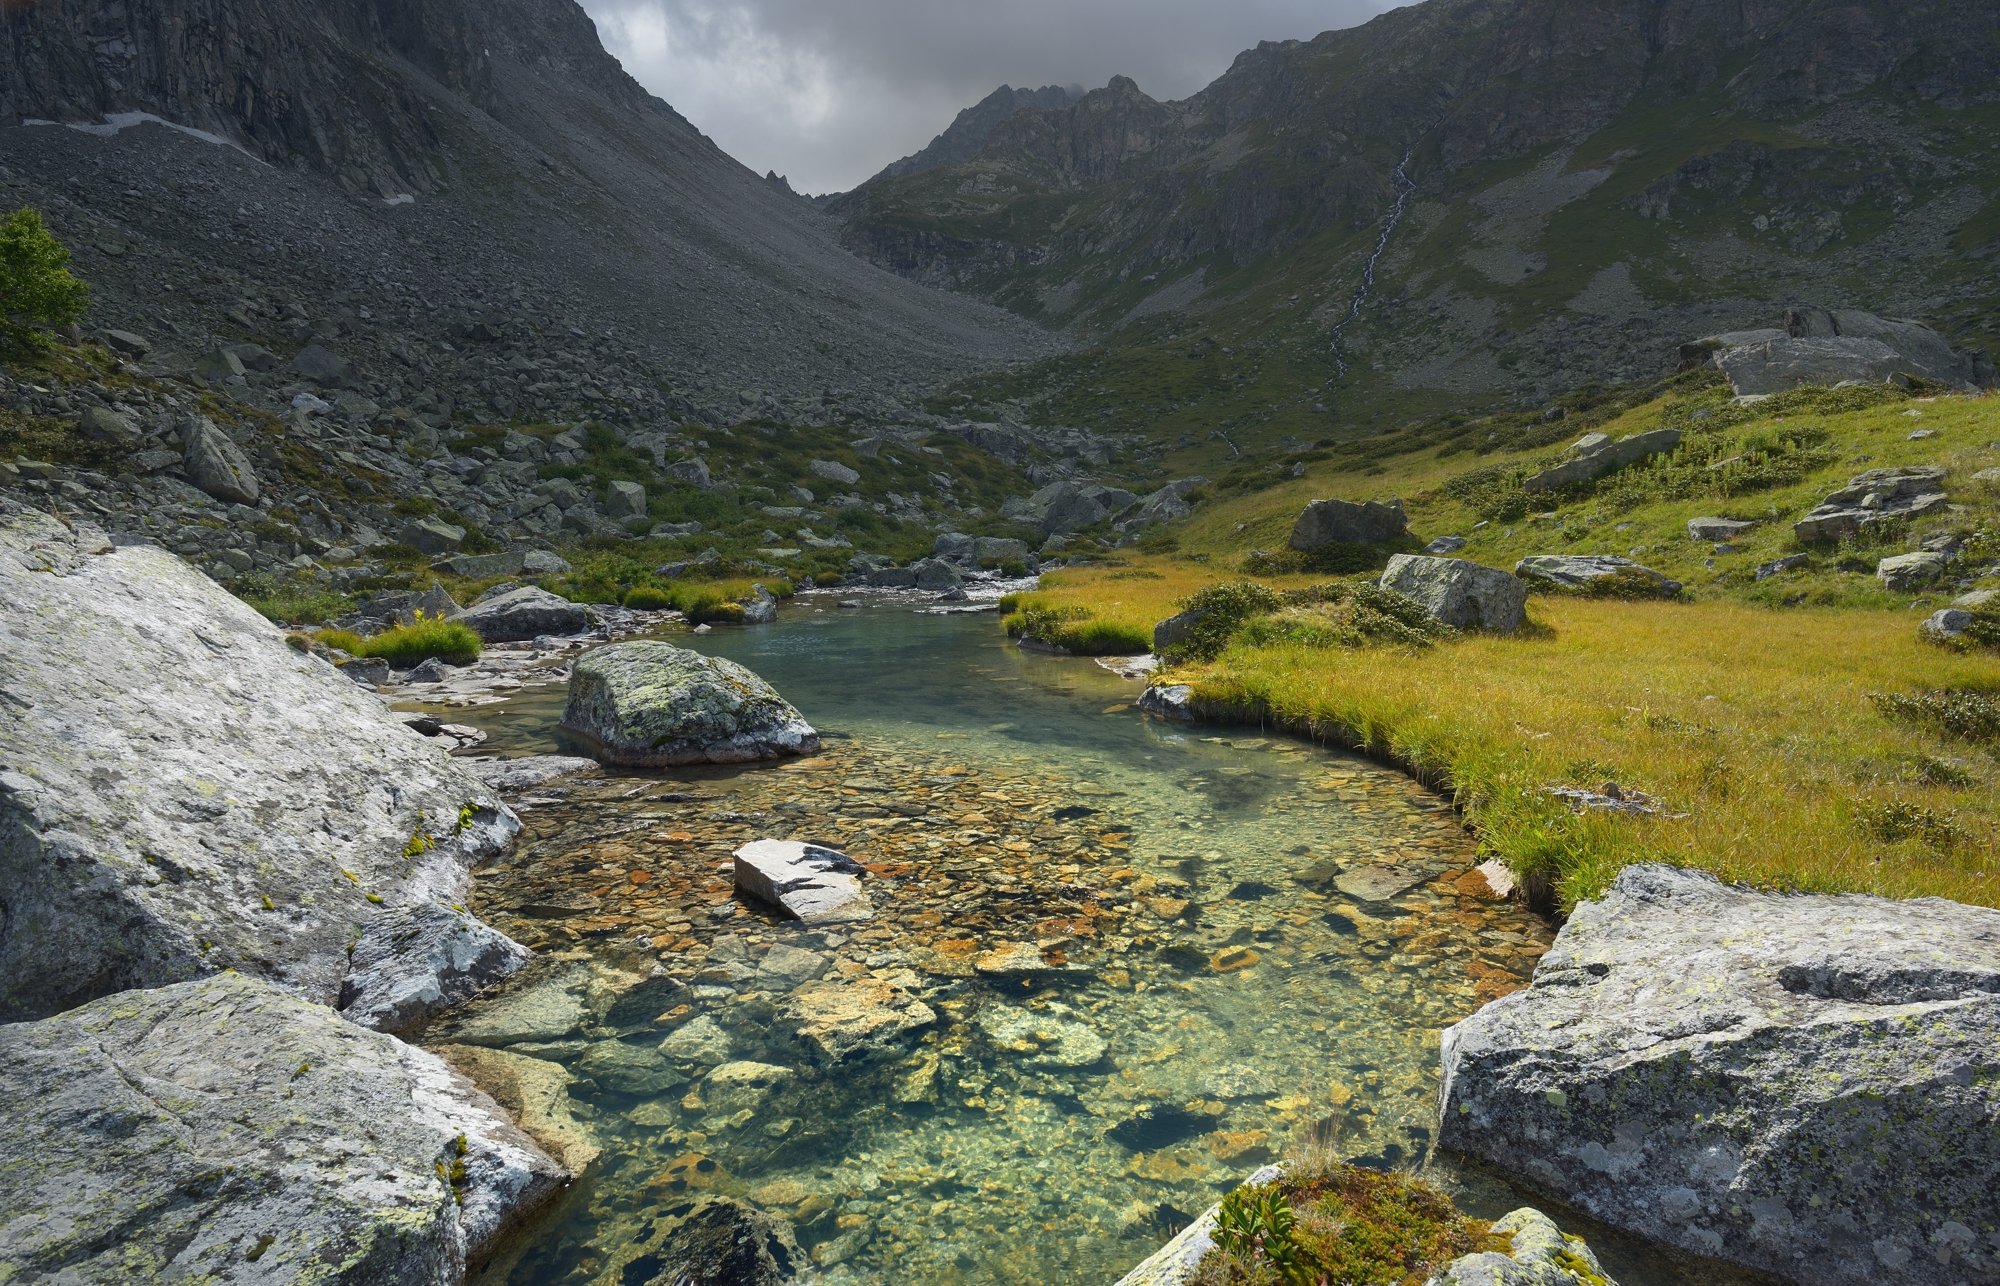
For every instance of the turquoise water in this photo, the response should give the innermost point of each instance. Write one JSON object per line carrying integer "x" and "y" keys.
{"x": 1174, "y": 987}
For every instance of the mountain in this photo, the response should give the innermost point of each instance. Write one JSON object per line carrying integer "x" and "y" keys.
{"x": 431, "y": 163}
{"x": 1510, "y": 197}
{"x": 971, "y": 128}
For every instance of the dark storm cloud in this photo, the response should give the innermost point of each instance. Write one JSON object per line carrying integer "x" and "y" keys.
{"x": 829, "y": 91}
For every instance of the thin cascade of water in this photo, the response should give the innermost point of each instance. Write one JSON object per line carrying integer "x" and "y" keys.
{"x": 1405, "y": 187}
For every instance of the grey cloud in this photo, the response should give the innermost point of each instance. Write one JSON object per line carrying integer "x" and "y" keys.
{"x": 828, "y": 93}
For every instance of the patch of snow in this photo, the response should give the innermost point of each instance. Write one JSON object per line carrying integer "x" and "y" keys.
{"x": 119, "y": 122}
{"x": 401, "y": 198}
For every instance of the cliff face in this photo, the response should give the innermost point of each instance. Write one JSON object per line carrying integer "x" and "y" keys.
{"x": 1697, "y": 161}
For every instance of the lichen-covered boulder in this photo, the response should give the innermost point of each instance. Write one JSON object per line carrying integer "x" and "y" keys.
{"x": 223, "y": 1131}
{"x": 1807, "y": 1085}
{"x": 1464, "y": 595}
{"x": 649, "y": 705}
{"x": 1542, "y": 1255}
{"x": 182, "y": 793}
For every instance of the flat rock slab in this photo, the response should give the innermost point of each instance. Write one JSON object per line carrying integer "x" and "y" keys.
{"x": 653, "y": 705}
{"x": 528, "y": 772}
{"x": 526, "y": 613}
{"x": 1806, "y": 1085}
{"x": 183, "y": 793}
{"x": 222, "y": 1130}
{"x": 1380, "y": 882}
{"x": 806, "y": 881}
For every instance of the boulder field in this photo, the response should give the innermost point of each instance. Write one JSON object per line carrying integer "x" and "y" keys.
{"x": 1806, "y": 1085}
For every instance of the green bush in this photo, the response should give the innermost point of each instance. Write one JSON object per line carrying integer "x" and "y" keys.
{"x": 1221, "y": 610}
{"x": 288, "y": 602}
{"x": 422, "y": 639}
{"x": 648, "y": 598}
{"x": 1961, "y": 713}
{"x": 36, "y": 288}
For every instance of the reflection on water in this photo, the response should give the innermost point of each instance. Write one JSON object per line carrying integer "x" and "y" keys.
{"x": 1114, "y": 966}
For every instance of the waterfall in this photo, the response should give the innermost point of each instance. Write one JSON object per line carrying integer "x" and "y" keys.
{"x": 1405, "y": 187}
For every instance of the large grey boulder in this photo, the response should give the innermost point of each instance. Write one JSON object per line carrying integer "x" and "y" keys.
{"x": 1804, "y": 1084}
{"x": 215, "y": 464}
{"x": 648, "y": 704}
{"x": 1168, "y": 504}
{"x": 222, "y": 1131}
{"x": 935, "y": 574}
{"x": 624, "y": 500}
{"x": 808, "y": 882}
{"x": 526, "y": 613}
{"x": 181, "y": 793}
{"x": 1821, "y": 347}
{"x": 432, "y": 535}
{"x": 1064, "y": 507}
{"x": 1347, "y": 522}
{"x": 833, "y": 471}
{"x": 1597, "y": 455}
{"x": 1875, "y": 498}
{"x": 1585, "y": 572}
{"x": 1464, "y": 595}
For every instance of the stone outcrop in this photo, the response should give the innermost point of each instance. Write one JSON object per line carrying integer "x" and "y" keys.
{"x": 1347, "y": 522}
{"x": 1064, "y": 507}
{"x": 1808, "y": 1085}
{"x": 1542, "y": 1255}
{"x": 808, "y": 882}
{"x": 648, "y": 704}
{"x": 1818, "y": 347}
{"x": 221, "y": 1130}
{"x": 1717, "y": 528}
{"x": 1464, "y": 595}
{"x": 181, "y": 793}
{"x": 1902, "y": 573}
{"x": 1588, "y": 572}
{"x": 525, "y": 613}
{"x": 1597, "y": 455}
{"x": 1874, "y": 498}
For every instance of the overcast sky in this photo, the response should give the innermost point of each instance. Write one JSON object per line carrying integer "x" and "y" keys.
{"x": 827, "y": 92}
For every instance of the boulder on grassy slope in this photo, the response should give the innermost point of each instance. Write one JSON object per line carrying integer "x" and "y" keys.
{"x": 1348, "y": 522}
{"x": 182, "y": 793}
{"x": 649, "y": 705}
{"x": 1462, "y": 594}
{"x": 1808, "y": 1085}
{"x": 220, "y": 1130}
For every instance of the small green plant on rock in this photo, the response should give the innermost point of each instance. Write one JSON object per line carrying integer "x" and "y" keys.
{"x": 1254, "y": 1224}
{"x": 36, "y": 288}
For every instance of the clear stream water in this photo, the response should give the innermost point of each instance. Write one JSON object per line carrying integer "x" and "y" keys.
{"x": 1199, "y": 991}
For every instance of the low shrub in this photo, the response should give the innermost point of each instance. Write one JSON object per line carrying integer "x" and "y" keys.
{"x": 1219, "y": 611}
{"x": 1960, "y": 713}
{"x": 288, "y": 602}
{"x": 648, "y": 598}
{"x": 1892, "y": 821}
{"x": 422, "y": 639}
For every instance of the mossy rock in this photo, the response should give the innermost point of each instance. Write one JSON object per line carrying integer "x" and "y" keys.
{"x": 652, "y": 705}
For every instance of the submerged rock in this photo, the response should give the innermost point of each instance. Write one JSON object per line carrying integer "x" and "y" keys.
{"x": 244, "y": 807}
{"x": 1464, "y": 595}
{"x": 806, "y": 881}
{"x": 1049, "y": 1037}
{"x": 861, "y": 1019}
{"x": 221, "y": 1130}
{"x": 652, "y": 705}
{"x": 708, "y": 1240}
{"x": 1804, "y": 1084}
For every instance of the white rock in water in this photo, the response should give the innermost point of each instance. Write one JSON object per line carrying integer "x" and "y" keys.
{"x": 805, "y": 881}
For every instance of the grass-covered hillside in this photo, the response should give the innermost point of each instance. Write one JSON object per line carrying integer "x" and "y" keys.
{"x": 1792, "y": 731}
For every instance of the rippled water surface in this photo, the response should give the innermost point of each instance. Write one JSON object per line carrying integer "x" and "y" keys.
{"x": 1115, "y": 964}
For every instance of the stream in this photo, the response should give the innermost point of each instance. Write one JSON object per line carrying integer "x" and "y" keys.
{"x": 1115, "y": 965}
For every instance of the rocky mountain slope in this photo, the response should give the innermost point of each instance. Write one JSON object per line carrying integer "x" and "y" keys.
{"x": 1563, "y": 191}
{"x": 410, "y": 178}
{"x": 973, "y": 128}
{"x": 360, "y": 265}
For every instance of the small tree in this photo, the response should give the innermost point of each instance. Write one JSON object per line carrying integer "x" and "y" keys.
{"x": 36, "y": 288}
